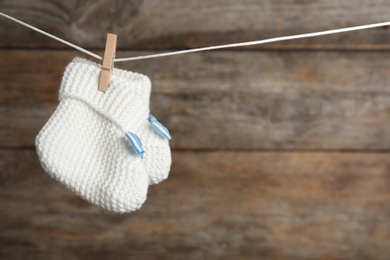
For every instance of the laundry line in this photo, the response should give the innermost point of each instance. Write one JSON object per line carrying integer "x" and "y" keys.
{"x": 201, "y": 49}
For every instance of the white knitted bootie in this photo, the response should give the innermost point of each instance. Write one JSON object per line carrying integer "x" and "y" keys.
{"x": 157, "y": 159}
{"x": 83, "y": 144}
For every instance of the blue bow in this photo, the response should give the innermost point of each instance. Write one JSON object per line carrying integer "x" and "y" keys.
{"x": 159, "y": 128}
{"x": 136, "y": 144}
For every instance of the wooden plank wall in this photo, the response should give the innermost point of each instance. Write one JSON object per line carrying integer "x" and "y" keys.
{"x": 280, "y": 151}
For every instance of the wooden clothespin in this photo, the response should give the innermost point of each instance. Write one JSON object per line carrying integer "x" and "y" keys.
{"x": 108, "y": 62}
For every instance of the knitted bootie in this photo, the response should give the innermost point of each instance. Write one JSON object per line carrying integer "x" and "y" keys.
{"x": 157, "y": 159}
{"x": 83, "y": 144}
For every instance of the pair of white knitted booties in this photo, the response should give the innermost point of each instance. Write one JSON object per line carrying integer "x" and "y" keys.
{"x": 104, "y": 145}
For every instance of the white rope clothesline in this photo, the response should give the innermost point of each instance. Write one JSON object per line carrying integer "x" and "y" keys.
{"x": 217, "y": 47}
{"x": 51, "y": 36}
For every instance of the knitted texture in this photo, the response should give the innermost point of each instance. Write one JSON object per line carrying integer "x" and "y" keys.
{"x": 157, "y": 159}
{"x": 83, "y": 143}
{"x": 158, "y": 154}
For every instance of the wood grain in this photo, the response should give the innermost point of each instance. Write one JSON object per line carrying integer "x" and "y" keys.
{"x": 280, "y": 151}
{"x": 214, "y": 205}
{"x": 178, "y": 24}
{"x": 224, "y": 100}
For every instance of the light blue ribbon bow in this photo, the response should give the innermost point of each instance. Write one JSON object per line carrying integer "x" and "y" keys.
{"x": 159, "y": 128}
{"x": 136, "y": 144}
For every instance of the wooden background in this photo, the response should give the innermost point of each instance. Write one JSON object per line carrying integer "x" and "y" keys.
{"x": 280, "y": 151}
